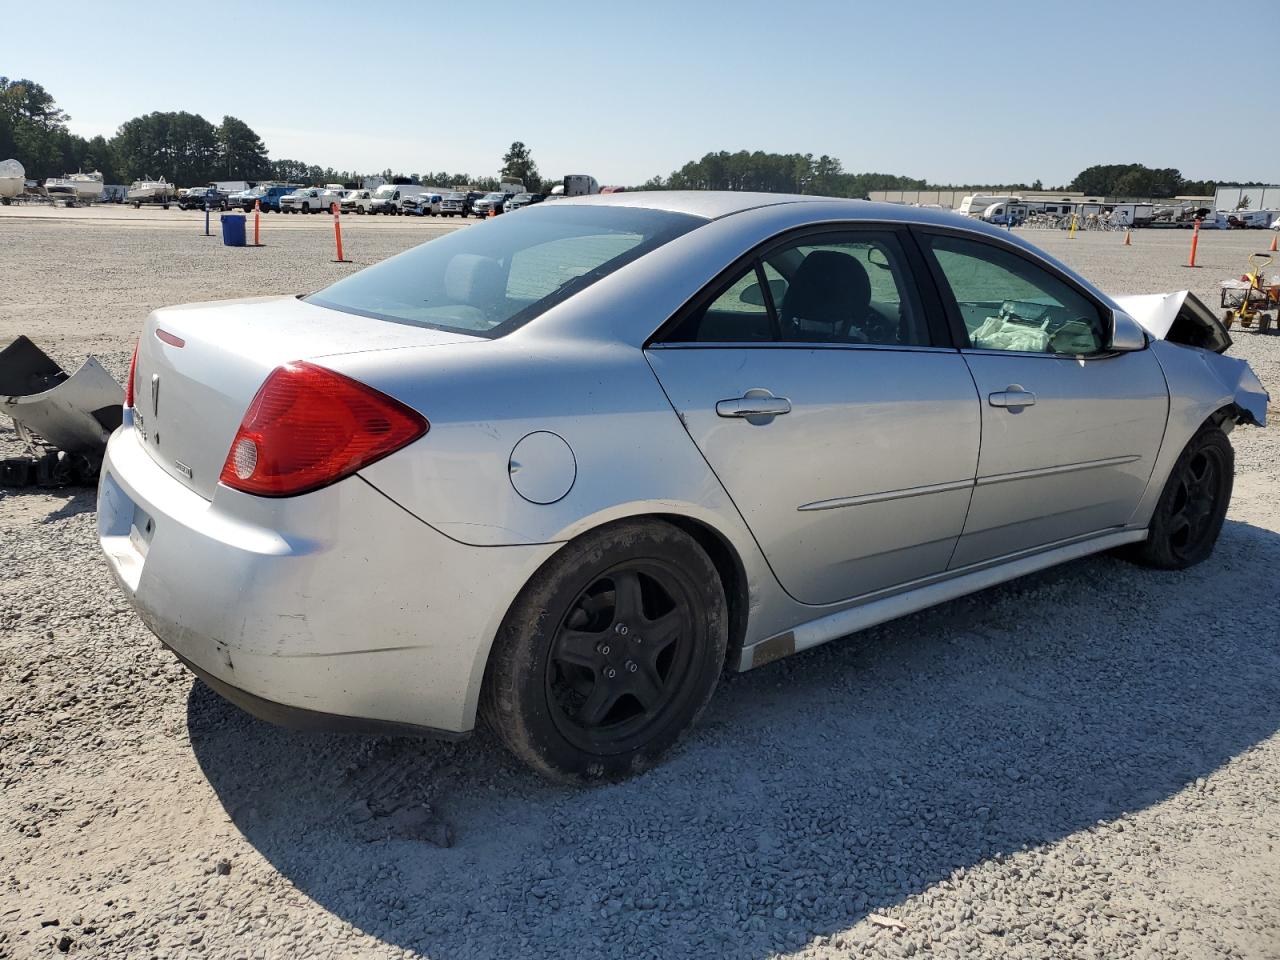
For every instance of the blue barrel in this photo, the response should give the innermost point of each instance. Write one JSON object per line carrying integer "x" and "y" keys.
{"x": 233, "y": 229}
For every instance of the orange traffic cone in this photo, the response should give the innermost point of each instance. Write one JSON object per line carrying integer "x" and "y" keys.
{"x": 1274, "y": 238}
{"x": 1127, "y": 241}
{"x": 493, "y": 211}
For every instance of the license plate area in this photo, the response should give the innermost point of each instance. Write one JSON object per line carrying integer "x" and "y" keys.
{"x": 124, "y": 529}
{"x": 141, "y": 531}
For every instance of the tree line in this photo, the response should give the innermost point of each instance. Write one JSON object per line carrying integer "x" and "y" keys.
{"x": 825, "y": 176}
{"x": 186, "y": 149}
{"x": 778, "y": 173}
{"x": 182, "y": 147}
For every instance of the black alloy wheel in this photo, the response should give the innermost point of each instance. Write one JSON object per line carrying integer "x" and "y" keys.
{"x": 609, "y": 653}
{"x": 1197, "y": 494}
{"x": 1193, "y": 505}
{"x": 619, "y": 656}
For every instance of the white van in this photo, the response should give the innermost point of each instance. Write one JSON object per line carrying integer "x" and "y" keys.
{"x": 389, "y": 197}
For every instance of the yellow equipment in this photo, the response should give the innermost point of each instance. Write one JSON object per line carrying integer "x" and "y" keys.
{"x": 1252, "y": 296}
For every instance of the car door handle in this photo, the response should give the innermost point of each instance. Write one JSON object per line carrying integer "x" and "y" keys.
{"x": 1012, "y": 396}
{"x": 754, "y": 403}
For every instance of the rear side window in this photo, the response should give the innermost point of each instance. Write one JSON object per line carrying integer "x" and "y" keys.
{"x": 492, "y": 278}
{"x": 1009, "y": 303}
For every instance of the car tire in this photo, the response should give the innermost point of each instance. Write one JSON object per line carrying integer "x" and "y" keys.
{"x": 1193, "y": 505}
{"x": 609, "y": 653}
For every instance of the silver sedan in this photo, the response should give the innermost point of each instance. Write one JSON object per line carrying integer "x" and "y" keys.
{"x": 560, "y": 469}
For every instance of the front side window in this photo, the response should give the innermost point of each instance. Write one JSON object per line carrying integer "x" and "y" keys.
{"x": 1009, "y": 303}
{"x": 833, "y": 288}
{"x": 490, "y": 280}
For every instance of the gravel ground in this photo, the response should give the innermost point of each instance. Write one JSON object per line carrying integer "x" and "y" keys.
{"x": 1082, "y": 763}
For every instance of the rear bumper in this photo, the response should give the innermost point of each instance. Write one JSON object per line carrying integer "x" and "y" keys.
{"x": 335, "y": 609}
{"x": 315, "y": 721}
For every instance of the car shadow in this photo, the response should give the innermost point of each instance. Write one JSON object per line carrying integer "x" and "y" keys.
{"x": 816, "y": 790}
{"x": 32, "y": 500}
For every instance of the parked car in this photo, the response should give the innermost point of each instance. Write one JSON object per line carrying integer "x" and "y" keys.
{"x": 389, "y": 198}
{"x": 196, "y": 198}
{"x": 459, "y": 203}
{"x": 307, "y": 200}
{"x": 357, "y": 201}
{"x": 421, "y": 205}
{"x": 269, "y": 198}
{"x": 495, "y": 202}
{"x": 523, "y": 200}
{"x": 346, "y": 510}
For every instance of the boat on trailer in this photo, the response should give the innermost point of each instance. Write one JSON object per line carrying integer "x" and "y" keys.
{"x": 150, "y": 191}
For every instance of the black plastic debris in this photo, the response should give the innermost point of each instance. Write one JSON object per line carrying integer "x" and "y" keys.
{"x": 63, "y": 420}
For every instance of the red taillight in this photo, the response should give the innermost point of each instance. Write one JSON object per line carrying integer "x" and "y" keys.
{"x": 308, "y": 427}
{"x": 128, "y": 387}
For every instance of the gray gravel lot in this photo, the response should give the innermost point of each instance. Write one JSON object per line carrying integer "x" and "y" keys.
{"x": 1082, "y": 763}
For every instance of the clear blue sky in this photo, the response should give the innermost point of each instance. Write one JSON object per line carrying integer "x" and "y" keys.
{"x": 981, "y": 91}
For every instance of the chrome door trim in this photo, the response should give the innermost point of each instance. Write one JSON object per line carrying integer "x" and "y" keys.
{"x": 928, "y": 592}
{"x": 1081, "y": 357}
{"x": 903, "y": 494}
{"x": 1061, "y": 468}
{"x": 794, "y": 345}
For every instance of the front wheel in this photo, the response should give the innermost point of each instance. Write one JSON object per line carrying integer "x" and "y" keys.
{"x": 1193, "y": 505}
{"x": 609, "y": 653}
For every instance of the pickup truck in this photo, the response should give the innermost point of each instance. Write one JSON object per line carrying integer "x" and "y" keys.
{"x": 522, "y": 200}
{"x": 308, "y": 200}
{"x": 269, "y": 196}
{"x": 495, "y": 201}
{"x": 197, "y": 197}
{"x": 459, "y": 203}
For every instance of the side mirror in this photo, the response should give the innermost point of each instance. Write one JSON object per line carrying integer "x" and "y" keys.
{"x": 1126, "y": 335}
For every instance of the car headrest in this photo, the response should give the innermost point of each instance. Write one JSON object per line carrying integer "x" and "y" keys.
{"x": 471, "y": 278}
{"x": 828, "y": 287}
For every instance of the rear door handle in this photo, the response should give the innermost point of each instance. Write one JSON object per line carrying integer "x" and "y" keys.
{"x": 1012, "y": 396}
{"x": 754, "y": 403}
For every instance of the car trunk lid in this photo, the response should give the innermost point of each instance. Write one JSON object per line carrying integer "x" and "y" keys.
{"x": 199, "y": 367}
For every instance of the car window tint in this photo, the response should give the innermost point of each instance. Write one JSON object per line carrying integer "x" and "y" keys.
{"x": 737, "y": 315}
{"x": 491, "y": 279}
{"x": 855, "y": 290}
{"x": 1008, "y": 303}
{"x": 540, "y": 270}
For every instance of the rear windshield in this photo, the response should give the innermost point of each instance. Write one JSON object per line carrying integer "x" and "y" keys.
{"x": 491, "y": 278}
